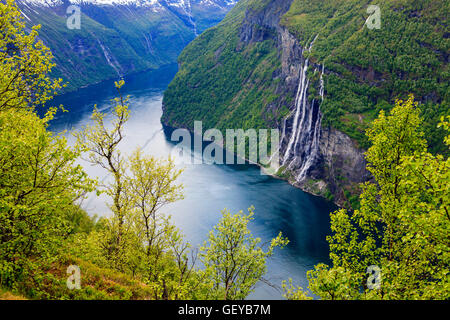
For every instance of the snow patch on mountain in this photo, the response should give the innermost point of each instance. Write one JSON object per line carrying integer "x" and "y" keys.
{"x": 147, "y": 3}
{"x": 218, "y": 3}
{"x": 45, "y": 3}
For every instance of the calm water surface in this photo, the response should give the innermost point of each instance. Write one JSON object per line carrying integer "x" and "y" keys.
{"x": 208, "y": 189}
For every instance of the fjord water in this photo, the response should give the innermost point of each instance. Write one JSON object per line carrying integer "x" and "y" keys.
{"x": 208, "y": 189}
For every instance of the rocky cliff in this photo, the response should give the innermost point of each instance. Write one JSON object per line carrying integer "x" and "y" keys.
{"x": 295, "y": 65}
{"x": 317, "y": 158}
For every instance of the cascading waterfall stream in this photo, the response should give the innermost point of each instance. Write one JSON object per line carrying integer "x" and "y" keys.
{"x": 303, "y": 143}
{"x": 312, "y": 148}
{"x": 322, "y": 86}
{"x": 188, "y": 10}
{"x": 110, "y": 58}
{"x": 298, "y": 105}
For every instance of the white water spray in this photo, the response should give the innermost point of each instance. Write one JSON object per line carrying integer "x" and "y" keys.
{"x": 304, "y": 140}
{"x": 301, "y": 91}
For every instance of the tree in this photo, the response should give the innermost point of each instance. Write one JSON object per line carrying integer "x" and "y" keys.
{"x": 151, "y": 186}
{"x": 102, "y": 144}
{"x": 234, "y": 260}
{"x": 26, "y": 63}
{"x": 402, "y": 227}
{"x": 39, "y": 180}
{"x": 138, "y": 238}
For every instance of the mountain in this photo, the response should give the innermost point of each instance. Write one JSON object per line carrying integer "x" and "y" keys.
{"x": 118, "y": 37}
{"x": 317, "y": 72}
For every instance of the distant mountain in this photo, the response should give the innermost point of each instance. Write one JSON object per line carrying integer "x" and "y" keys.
{"x": 118, "y": 37}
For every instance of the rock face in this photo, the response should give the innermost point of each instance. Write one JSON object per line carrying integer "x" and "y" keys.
{"x": 318, "y": 159}
{"x": 316, "y": 74}
{"x": 341, "y": 163}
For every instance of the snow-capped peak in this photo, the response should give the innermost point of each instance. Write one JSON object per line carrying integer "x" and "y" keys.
{"x": 147, "y": 3}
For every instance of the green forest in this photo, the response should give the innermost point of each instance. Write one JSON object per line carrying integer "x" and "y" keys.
{"x": 402, "y": 225}
{"x": 135, "y": 39}
{"x": 365, "y": 70}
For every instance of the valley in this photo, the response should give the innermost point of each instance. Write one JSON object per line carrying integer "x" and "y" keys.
{"x": 118, "y": 37}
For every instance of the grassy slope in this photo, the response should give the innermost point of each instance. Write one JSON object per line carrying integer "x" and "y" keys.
{"x": 96, "y": 284}
{"x": 8, "y": 295}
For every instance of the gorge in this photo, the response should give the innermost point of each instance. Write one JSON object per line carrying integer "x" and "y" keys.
{"x": 208, "y": 189}
{"x": 100, "y": 199}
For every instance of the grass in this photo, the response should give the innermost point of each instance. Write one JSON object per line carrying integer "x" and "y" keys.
{"x": 97, "y": 283}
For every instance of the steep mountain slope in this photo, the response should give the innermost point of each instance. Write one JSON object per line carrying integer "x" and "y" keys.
{"x": 118, "y": 37}
{"x": 314, "y": 70}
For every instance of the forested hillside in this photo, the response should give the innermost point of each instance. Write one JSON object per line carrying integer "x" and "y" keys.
{"x": 116, "y": 38}
{"x": 253, "y": 61}
{"x": 223, "y": 82}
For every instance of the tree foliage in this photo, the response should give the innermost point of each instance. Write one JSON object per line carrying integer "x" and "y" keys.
{"x": 39, "y": 178}
{"x": 234, "y": 259}
{"x": 25, "y": 63}
{"x": 403, "y": 224}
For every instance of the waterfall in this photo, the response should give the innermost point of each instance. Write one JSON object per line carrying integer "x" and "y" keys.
{"x": 322, "y": 86}
{"x": 314, "y": 145}
{"x": 301, "y": 91}
{"x": 188, "y": 10}
{"x": 303, "y": 143}
{"x": 313, "y": 148}
{"x": 312, "y": 42}
{"x": 302, "y": 121}
{"x": 283, "y": 133}
{"x": 110, "y": 58}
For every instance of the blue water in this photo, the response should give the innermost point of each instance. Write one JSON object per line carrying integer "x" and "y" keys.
{"x": 208, "y": 189}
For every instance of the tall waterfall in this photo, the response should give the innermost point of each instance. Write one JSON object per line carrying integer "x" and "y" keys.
{"x": 301, "y": 92}
{"x": 303, "y": 146}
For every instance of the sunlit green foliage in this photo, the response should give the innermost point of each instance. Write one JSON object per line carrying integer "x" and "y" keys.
{"x": 403, "y": 224}
{"x": 25, "y": 63}
{"x": 39, "y": 179}
{"x": 234, "y": 260}
{"x": 39, "y": 182}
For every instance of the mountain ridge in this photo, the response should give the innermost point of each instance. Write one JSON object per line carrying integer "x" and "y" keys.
{"x": 118, "y": 37}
